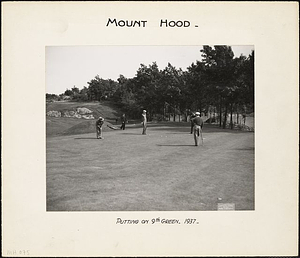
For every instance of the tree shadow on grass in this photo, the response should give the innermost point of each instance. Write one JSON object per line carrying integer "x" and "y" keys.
{"x": 86, "y": 138}
{"x": 180, "y": 133}
{"x": 132, "y": 133}
{"x": 246, "y": 149}
{"x": 176, "y": 145}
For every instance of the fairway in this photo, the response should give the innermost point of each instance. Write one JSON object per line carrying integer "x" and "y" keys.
{"x": 161, "y": 171}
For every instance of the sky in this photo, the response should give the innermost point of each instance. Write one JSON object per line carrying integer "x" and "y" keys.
{"x": 70, "y": 66}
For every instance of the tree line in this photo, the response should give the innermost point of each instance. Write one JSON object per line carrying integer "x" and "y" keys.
{"x": 218, "y": 85}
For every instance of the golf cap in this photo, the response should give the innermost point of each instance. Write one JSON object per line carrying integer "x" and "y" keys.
{"x": 197, "y": 113}
{"x": 101, "y": 118}
{"x": 144, "y": 111}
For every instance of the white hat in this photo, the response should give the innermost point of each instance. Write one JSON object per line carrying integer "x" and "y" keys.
{"x": 197, "y": 113}
{"x": 144, "y": 111}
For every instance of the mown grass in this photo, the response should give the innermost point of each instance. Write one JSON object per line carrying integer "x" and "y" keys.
{"x": 163, "y": 170}
{"x": 128, "y": 171}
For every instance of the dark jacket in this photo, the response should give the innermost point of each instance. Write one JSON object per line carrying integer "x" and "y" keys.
{"x": 197, "y": 121}
{"x": 99, "y": 122}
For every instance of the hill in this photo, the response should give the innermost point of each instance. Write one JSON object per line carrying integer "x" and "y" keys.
{"x": 70, "y": 118}
{"x": 65, "y": 118}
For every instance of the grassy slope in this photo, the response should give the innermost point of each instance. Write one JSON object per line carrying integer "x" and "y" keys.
{"x": 71, "y": 126}
{"x": 68, "y": 126}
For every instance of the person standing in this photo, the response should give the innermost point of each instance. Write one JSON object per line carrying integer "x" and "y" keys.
{"x": 99, "y": 124}
{"x": 144, "y": 121}
{"x": 191, "y": 120}
{"x": 123, "y": 120}
{"x": 198, "y": 124}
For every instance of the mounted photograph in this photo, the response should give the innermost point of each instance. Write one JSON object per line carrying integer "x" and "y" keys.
{"x": 150, "y": 128}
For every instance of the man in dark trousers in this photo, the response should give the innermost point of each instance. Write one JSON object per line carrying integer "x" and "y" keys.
{"x": 99, "y": 124}
{"x": 123, "y": 120}
{"x": 192, "y": 125}
{"x": 198, "y": 124}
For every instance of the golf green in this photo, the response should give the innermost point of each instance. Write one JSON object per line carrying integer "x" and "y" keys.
{"x": 160, "y": 171}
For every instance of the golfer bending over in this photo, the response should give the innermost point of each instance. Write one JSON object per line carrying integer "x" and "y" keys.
{"x": 99, "y": 124}
{"x": 198, "y": 124}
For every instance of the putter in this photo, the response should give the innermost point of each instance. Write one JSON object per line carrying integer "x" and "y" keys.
{"x": 112, "y": 127}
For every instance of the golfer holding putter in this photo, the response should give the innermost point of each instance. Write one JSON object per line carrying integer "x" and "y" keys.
{"x": 99, "y": 124}
{"x": 144, "y": 122}
{"x": 198, "y": 124}
{"x": 123, "y": 120}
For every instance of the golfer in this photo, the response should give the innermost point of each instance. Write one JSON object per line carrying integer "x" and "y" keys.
{"x": 192, "y": 124}
{"x": 144, "y": 122}
{"x": 99, "y": 124}
{"x": 198, "y": 124}
{"x": 123, "y": 120}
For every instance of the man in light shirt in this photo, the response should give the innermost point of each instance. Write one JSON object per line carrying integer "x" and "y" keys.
{"x": 144, "y": 122}
{"x": 198, "y": 124}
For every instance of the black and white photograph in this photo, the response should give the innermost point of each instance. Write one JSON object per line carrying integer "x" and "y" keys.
{"x": 150, "y": 128}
